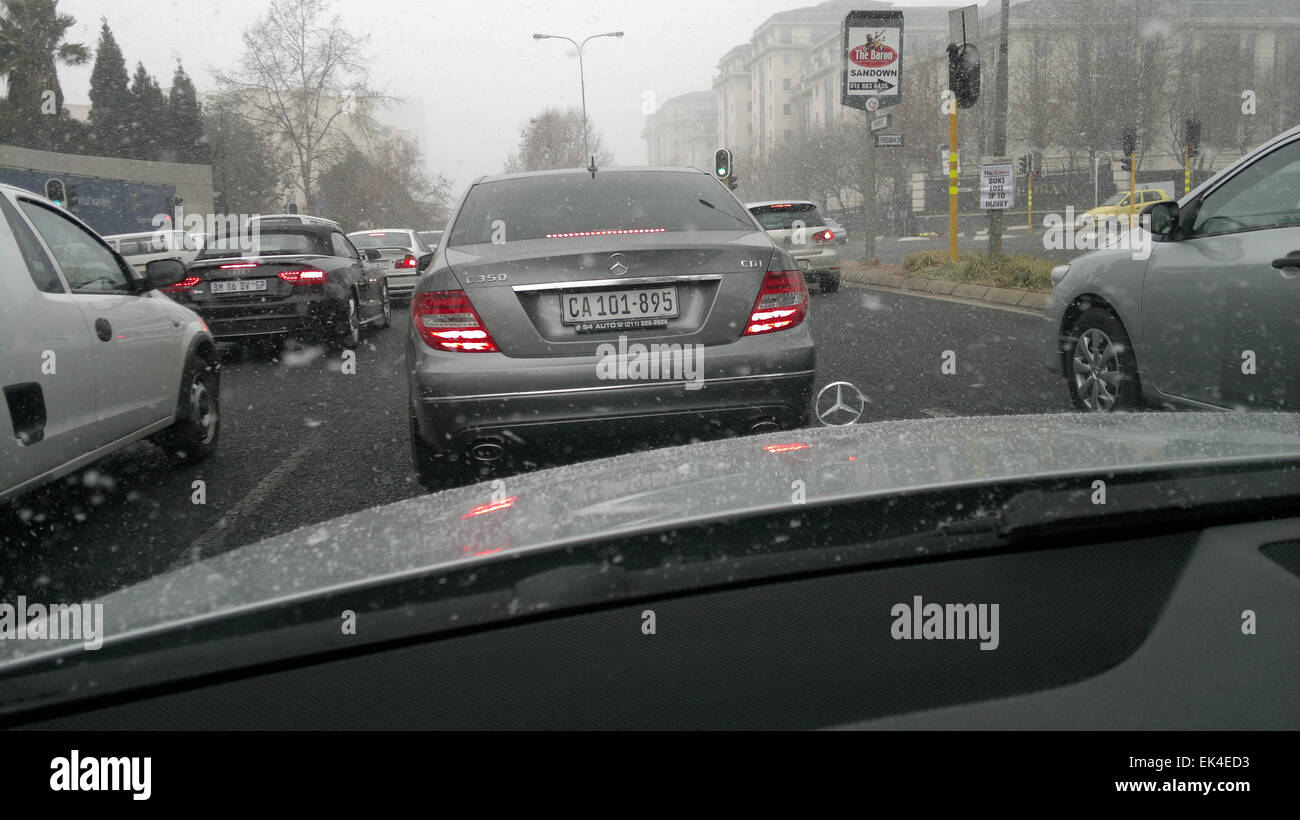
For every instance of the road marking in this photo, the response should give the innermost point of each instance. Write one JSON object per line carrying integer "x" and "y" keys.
{"x": 1038, "y": 314}
{"x": 214, "y": 537}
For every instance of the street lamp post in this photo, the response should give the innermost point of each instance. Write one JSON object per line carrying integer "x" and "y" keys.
{"x": 582, "y": 76}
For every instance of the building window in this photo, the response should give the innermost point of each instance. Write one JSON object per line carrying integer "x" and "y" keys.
{"x": 787, "y": 135}
{"x": 785, "y": 109}
{"x": 786, "y": 37}
{"x": 785, "y": 84}
{"x": 749, "y": 106}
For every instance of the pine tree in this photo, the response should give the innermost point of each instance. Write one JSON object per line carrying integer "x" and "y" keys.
{"x": 185, "y": 140}
{"x": 148, "y": 116}
{"x": 110, "y": 98}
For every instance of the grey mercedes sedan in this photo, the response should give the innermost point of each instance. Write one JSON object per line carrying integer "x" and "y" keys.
{"x": 617, "y": 304}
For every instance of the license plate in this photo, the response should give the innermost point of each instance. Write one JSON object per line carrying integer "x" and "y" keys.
{"x": 584, "y": 307}
{"x": 804, "y": 264}
{"x": 239, "y": 286}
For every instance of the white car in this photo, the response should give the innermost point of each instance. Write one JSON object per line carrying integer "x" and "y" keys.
{"x": 142, "y": 248}
{"x": 398, "y": 250}
{"x": 93, "y": 356}
{"x": 797, "y": 226}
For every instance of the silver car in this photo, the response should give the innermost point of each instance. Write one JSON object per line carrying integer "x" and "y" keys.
{"x": 615, "y": 304}
{"x": 399, "y": 250}
{"x": 93, "y": 356}
{"x": 1201, "y": 311}
{"x": 799, "y": 227}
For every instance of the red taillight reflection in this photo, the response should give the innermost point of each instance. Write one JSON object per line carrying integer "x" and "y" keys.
{"x": 304, "y": 277}
{"x": 239, "y": 265}
{"x": 782, "y": 303}
{"x": 786, "y": 448}
{"x": 183, "y": 285}
{"x": 446, "y": 320}
{"x": 483, "y": 509}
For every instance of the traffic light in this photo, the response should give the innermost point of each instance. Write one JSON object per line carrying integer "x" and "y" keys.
{"x": 1035, "y": 164}
{"x": 54, "y": 191}
{"x": 176, "y": 202}
{"x": 1192, "y": 130}
{"x": 1126, "y": 162}
{"x": 722, "y": 164}
{"x": 1130, "y": 141}
{"x": 1022, "y": 164}
{"x": 964, "y": 73}
{"x": 72, "y": 197}
{"x": 291, "y": 208}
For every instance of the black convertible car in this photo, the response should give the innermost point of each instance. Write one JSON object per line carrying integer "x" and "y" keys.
{"x": 289, "y": 275}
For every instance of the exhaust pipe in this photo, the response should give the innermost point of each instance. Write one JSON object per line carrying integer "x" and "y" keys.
{"x": 486, "y": 451}
{"x": 764, "y": 426}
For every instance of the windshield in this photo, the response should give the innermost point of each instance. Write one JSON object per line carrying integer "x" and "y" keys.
{"x": 381, "y": 239}
{"x": 569, "y": 205}
{"x": 265, "y": 242}
{"x": 784, "y": 217}
{"x": 694, "y": 263}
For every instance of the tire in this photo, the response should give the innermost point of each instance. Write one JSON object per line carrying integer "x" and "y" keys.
{"x": 830, "y": 283}
{"x": 385, "y": 319}
{"x": 197, "y": 429}
{"x": 1100, "y": 367}
{"x": 352, "y": 336}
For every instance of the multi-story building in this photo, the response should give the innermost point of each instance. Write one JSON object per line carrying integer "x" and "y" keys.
{"x": 684, "y": 131}
{"x": 734, "y": 91}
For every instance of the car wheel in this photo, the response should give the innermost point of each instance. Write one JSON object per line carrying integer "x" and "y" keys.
{"x": 830, "y": 283}
{"x": 194, "y": 435}
{"x": 386, "y": 305}
{"x": 1101, "y": 371}
{"x": 352, "y": 336}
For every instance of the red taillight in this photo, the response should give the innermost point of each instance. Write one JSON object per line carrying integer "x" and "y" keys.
{"x": 240, "y": 265}
{"x": 408, "y": 262}
{"x": 782, "y": 303}
{"x": 304, "y": 277}
{"x": 183, "y": 285}
{"x": 825, "y": 236}
{"x": 446, "y": 320}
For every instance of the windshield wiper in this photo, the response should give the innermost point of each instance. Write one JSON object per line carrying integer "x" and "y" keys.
{"x": 733, "y": 216}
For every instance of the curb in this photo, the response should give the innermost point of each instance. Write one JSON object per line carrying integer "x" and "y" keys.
{"x": 1004, "y": 297}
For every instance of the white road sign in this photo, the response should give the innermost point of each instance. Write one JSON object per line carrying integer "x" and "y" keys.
{"x": 882, "y": 122}
{"x": 997, "y": 185}
{"x": 873, "y": 57}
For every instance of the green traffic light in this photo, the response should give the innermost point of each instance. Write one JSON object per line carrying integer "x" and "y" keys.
{"x": 722, "y": 172}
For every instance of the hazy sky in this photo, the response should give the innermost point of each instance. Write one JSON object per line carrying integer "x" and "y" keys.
{"x": 473, "y": 67}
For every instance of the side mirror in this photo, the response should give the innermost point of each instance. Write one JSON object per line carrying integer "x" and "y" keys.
{"x": 425, "y": 261}
{"x": 1162, "y": 217}
{"x": 162, "y": 273}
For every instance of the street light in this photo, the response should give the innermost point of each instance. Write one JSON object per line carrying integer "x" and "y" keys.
{"x": 582, "y": 78}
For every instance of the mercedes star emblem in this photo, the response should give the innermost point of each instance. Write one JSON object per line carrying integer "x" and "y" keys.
{"x": 839, "y": 404}
{"x": 618, "y": 264}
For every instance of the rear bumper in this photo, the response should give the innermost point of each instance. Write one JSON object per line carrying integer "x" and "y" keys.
{"x": 319, "y": 316}
{"x": 401, "y": 284}
{"x": 461, "y": 398}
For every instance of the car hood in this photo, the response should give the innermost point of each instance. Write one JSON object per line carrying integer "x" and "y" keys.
{"x": 660, "y": 489}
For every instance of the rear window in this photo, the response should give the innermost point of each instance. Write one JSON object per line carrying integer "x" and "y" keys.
{"x": 267, "y": 242}
{"x": 569, "y": 205}
{"x": 381, "y": 239}
{"x": 783, "y": 217}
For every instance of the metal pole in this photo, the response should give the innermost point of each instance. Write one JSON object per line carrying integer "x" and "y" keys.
{"x": 952, "y": 179}
{"x": 1000, "y": 125}
{"x": 582, "y": 79}
{"x": 1096, "y": 169}
{"x": 869, "y": 195}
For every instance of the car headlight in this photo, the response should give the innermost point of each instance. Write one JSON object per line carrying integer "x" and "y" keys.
{"x": 1058, "y": 273}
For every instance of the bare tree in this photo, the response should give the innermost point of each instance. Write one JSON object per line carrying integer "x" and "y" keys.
{"x": 300, "y": 75}
{"x": 553, "y": 139}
